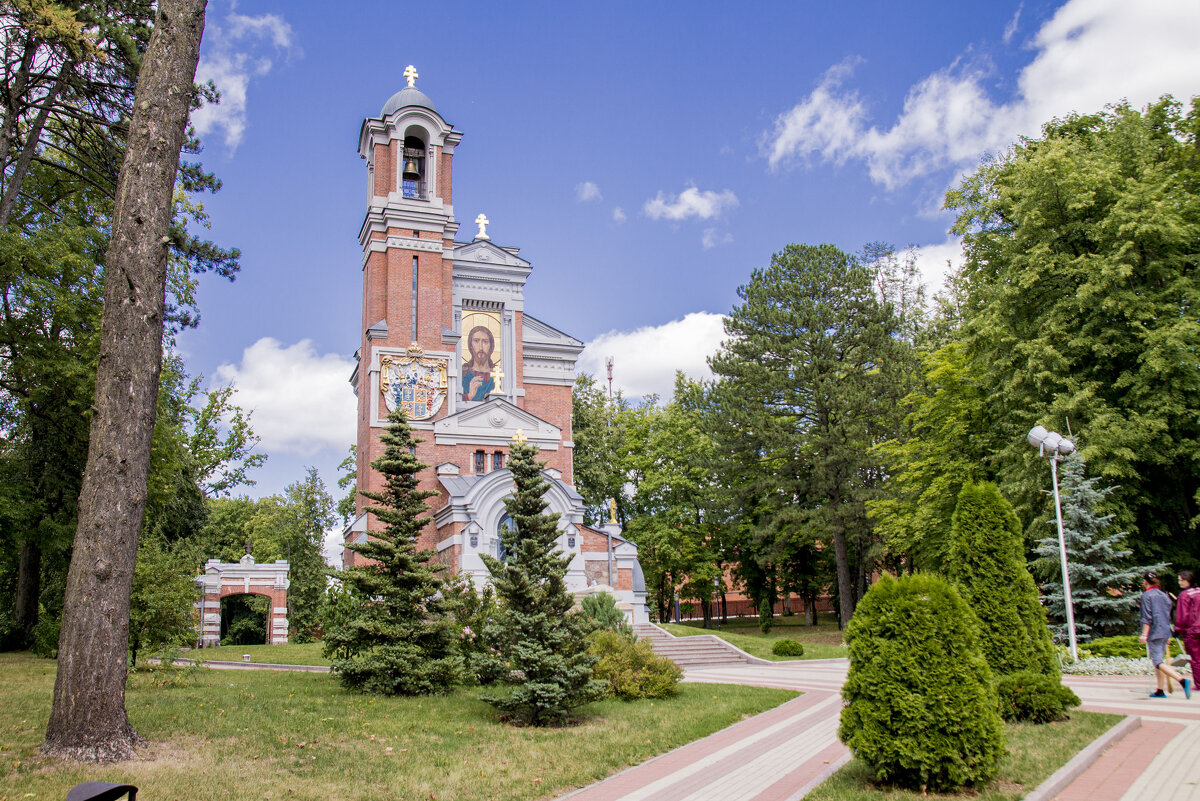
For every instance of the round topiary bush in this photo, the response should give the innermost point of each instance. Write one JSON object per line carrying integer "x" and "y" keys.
{"x": 1033, "y": 697}
{"x": 921, "y": 708}
{"x": 631, "y": 668}
{"x": 787, "y": 647}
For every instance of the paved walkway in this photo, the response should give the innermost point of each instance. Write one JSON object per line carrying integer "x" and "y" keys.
{"x": 782, "y": 754}
{"x": 777, "y": 756}
{"x": 1158, "y": 762}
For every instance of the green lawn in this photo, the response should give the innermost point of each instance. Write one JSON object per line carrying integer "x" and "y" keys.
{"x": 276, "y": 736}
{"x": 291, "y": 654}
{"x": 1035, "y": 752}
{"x": 823, "y": 641}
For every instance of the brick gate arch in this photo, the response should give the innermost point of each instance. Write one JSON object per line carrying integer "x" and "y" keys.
{"x": 244, "y": 577}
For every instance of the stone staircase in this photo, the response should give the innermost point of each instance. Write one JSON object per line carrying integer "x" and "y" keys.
{"x": 698, "y": 651}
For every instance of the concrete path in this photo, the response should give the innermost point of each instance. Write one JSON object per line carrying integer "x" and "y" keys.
{"x": 1158, "y": 762}
{"x": 784, "y": 753}
{"x": 777, "y": 756}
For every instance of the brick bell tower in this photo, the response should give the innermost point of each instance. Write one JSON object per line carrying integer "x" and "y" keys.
{"x": 446, "y": 338}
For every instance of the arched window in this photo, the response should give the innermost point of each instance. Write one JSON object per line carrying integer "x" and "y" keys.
{"x": 412, "y": 168}
{"x": 505, "y": 530}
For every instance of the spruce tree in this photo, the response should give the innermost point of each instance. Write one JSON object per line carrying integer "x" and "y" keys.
{"x": 987, "y": 564}
{"x": 1104, "y": 588}
{"x": 543, "y": 641}
{"x": 399, "y": 640}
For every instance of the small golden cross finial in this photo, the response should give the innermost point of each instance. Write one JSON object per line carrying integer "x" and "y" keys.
{"x": 612, "y": 510}
{"x": 410, "y": 72}
{"x": 482, "y": 221}
{"x": 519, "y": 437}
{"x": 497, "y": 376}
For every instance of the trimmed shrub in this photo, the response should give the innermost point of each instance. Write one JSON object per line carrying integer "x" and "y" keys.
{"x": 1033, "y": 697}
{"x": 987, "y": 566}
{"x": 921, "y": 706}
{"x": 631, "y": 668}
{"x": 787, "y": 647}
{"x": 1127, "y": 646}
{"x": 601, "y": 612}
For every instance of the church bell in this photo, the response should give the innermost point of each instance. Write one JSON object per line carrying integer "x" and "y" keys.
{"x": 410, "y": 171}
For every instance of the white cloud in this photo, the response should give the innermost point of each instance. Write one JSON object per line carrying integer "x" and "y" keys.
{"x": 1013, "y": 25}
{"x": 932, "y": 262}
{"x": 712, "y": 238}
{"x": 619, "y": 215}
{"x": 691, "y": 202}
{"x": 236, "y": 52}
{"x": 302, "y": 401}
{"x": 331, "y": 547}
{"x": 587, "y": 191}
{"x": 1091, "y": 53}
{"x": 645, "y": 360}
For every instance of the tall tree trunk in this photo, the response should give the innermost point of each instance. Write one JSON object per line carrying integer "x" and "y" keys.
{"x": 88, "y": 720}
{"x": 841, "y": 554}
{"x": 29, "y": 590}
{"x": 845, "y": 580}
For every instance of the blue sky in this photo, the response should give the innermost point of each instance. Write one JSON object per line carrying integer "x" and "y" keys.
{"x": 644, "y": 156}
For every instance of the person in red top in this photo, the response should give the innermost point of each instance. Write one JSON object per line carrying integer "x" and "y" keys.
{"x": 1187, "y": 616}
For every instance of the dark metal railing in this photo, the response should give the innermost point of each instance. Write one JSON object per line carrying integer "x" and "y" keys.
{"x": 413, "y": 190}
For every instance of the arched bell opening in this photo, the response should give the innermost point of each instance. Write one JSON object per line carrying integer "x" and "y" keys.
{"x": 413, "y": 171}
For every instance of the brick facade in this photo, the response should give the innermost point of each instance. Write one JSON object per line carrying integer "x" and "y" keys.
{"x": 411, "y": 222}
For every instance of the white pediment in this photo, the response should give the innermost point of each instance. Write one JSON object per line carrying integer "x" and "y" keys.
{"x": 493, "y": 423}
{"x": 534, "y": 331}
{"x": 482, "y": 251}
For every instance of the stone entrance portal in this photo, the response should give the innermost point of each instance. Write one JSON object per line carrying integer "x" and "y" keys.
{"x": 245, "y": 577}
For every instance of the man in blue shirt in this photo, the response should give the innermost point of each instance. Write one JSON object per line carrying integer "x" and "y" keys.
{"x": 1156, "y": 631}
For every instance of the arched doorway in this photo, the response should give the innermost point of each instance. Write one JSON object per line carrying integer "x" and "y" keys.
{"x": 245, "y": 577}
{"x": 245, "y": 619}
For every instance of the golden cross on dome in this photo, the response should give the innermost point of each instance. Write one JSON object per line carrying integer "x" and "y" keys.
{"x": 410, "y": 72}
{"x": 519, "y": 436}
{"x": 482, "y": 221}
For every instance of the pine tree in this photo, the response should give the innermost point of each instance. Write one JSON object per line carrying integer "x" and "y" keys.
{"x": 543, "y": 641}
{"x": 1104, "y": 589}
{"x": 988, "y": 566}
{"x": 400, "y": 640}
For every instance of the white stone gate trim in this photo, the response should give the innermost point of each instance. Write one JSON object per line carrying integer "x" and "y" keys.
{"x": 245, "y": 577}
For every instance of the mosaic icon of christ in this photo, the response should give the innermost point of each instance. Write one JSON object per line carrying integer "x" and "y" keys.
{"x": 480, "y": 373}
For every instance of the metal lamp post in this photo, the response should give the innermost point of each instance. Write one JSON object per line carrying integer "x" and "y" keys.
{"x": 717, "y": 601}
{"x": 1053, "y": 445}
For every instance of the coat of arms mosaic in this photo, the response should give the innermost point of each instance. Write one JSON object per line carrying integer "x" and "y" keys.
{"x": 413, "y": 382}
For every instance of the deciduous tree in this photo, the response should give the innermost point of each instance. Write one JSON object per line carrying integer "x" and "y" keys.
{"x": 1080, "y": 285}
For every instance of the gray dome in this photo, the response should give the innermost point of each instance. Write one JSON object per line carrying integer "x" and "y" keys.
{"x": 408, "y": 96}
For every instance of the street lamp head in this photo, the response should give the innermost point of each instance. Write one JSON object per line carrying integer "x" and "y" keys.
{"x": 1036, "y": 435}
{"x": 1051, "y": 442}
